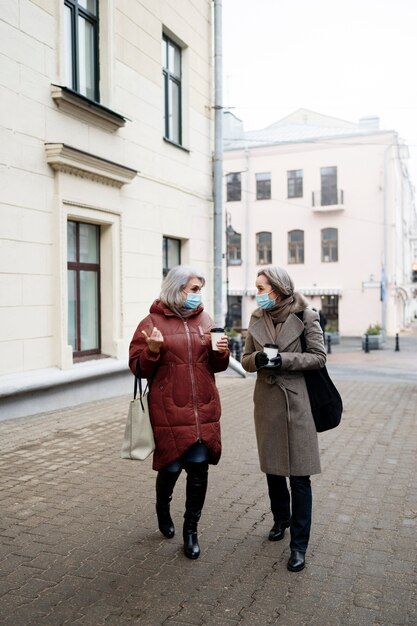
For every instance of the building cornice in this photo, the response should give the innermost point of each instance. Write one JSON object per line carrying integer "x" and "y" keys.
{"x": 64, "y": 158}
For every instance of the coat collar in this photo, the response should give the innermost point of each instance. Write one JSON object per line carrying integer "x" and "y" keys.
{"x": 290, "y": 330}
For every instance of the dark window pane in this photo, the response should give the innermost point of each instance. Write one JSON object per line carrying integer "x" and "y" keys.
{"x": 328, "y": 186}
{"x": 171, "y": 76}
{"x": 263, "y": 186}
{"x": 234, "y": 187}
{"x": 171, "y": 254}
{"x": 81, "y": 46}
{"x": 295, "y": 183}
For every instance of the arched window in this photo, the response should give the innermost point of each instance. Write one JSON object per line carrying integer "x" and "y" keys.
{"x": 296, "y": 246}
{"x": 329, "y": 245}
{"x": 263, "y": 248}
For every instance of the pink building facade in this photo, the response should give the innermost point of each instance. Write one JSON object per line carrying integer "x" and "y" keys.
{"x": 332, "y": 202}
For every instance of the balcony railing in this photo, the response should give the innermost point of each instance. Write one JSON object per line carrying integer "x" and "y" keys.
{"x": 330, "y": 199}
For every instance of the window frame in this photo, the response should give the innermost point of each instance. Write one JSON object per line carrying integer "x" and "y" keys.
{"x": 328, "y": 186}
{"x": 297, "y": 246}
{"x": 233, "y": 187}
{"x": 263, "y": 257}
{"x": 78, "y": 266}
{"x": 170, "y": 77}
{"x": 165, "y": 254}
{"x": 329, "y": 245}
{"x": 77, "y": 11}
{"x": 234, "y": 245}
{"x": 295, "y": 183}
{"x": 263, "y": 185}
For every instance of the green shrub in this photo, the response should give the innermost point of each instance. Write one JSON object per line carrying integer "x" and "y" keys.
{"x": 374, "y": 329}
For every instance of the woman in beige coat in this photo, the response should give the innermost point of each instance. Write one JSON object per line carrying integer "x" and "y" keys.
{"x": 285, "y": 430}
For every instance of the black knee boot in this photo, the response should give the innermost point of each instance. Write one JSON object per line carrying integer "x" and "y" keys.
{"x": 165, "y": 483}
{"x": 197, "y": 478}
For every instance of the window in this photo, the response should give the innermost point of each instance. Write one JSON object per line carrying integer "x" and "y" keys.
{"x": 263, "y": 186}
{"x": 329, "y": 253}
{"x": 83, "y": 241}
{"x": 328, "y": 186}
{"x": 296, "y": 246}
{"x": 171, "y": 72}
{"x": 263, "y": 248}
{"x": 171, "y": 254}
{"x": 234, "y": 187}
{"x": 295, "y": 183}
{"x": 81, "y": 47}
{"x": 234, "y": 247}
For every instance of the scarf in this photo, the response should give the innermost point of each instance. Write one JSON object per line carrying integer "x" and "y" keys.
{"x": 276, "y": 316}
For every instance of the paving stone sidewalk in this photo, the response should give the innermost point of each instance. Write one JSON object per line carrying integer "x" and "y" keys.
{"x": 79, "y": 543}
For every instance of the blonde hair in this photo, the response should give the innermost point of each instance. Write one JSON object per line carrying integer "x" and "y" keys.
{"x": 174, "y": 282}
{"x": 279, "y": 279}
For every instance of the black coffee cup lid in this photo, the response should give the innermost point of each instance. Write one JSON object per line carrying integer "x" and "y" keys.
{"x": 217, "y": 330}
{"x": 270, "y": 345}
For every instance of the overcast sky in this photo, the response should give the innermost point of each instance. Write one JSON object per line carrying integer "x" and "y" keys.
{"x": 345, "y": 58}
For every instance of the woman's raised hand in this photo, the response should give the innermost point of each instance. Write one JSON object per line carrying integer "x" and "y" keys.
{"x": 154, "y": 340}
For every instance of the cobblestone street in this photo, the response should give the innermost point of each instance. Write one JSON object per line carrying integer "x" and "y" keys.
{"x": 80, "y": 545}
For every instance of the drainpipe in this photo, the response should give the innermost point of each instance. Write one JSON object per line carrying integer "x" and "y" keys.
{"x": 218, "y": 177}
{"x": 218, "y": 166}
{"x": 384, "y": 246}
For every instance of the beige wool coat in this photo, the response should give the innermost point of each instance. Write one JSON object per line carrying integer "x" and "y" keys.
{"x": 285, "y": 430}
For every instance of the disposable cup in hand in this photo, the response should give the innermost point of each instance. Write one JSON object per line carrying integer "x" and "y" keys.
{"x": 271, "y": 350}
{"x": 216, "y": 334}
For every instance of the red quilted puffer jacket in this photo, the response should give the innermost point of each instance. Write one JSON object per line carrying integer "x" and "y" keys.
{"x": 184, "y": 401}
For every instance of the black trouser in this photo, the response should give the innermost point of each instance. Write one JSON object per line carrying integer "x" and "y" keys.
{"x": 294, "y": 510}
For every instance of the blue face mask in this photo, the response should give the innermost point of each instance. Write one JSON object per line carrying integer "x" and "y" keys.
{"x": 264, "y": 302}
{"x": 192, "y": 301}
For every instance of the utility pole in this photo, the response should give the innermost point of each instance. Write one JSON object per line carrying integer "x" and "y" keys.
{"x": 218, "y": 166}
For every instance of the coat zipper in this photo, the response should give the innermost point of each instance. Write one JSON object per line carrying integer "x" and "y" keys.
{"x": 187, "y": 332}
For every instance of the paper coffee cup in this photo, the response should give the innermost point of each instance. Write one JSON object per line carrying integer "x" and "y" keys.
{"x": 216, "y": 334}
{"x": 271, "y": 350}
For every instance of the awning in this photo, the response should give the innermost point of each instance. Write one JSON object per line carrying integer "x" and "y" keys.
{"x": 306, "y": 291}
{"x": 320, "y": 291}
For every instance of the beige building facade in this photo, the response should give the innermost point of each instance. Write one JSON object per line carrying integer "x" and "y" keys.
{"x": 105, "y": 177}
{"x": 331, "y": 201}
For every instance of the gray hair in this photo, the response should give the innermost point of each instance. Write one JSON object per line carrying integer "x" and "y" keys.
{"x": 174, "y": 282}
{"x": 279, "y": 279}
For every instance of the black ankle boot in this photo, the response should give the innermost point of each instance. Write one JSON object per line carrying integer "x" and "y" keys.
{"x": 165, "y": 523}
{"x": 191, "y": 547}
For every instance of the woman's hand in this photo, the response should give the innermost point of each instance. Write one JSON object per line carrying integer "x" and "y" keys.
{"x": 154, "y": 340}
{"x": 223, "y": 344}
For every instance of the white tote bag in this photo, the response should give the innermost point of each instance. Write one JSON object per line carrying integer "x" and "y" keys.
{"x": 138, "y": 441}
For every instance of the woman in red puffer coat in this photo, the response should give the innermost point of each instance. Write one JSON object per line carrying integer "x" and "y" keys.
{"x": 171, "y": 347}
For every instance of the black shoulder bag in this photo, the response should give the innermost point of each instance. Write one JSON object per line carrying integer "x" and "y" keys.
{"x": 326, "y": 403}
